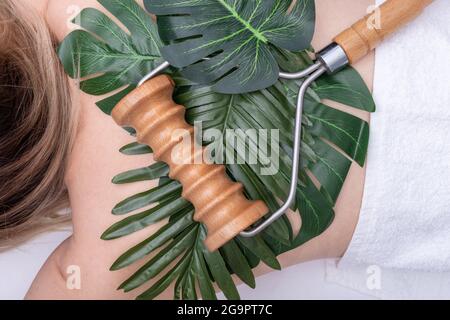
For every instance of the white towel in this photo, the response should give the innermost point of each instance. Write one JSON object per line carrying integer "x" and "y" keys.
{"x": 401, "y": 247}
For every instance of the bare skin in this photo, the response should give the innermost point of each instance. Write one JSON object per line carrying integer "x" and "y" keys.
{"x": 95, "y": 160}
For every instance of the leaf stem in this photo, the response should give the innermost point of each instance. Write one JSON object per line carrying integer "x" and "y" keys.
{"x": 246, "y": 24}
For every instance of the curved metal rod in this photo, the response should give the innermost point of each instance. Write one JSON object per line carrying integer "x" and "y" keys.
{"x": 301, "y": 74}
{"x": 319, "y": 70}
{"x": 154, "y": 72}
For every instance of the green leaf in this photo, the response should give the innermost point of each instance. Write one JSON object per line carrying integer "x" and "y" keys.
{"x": 281, "y": 230}
{"x": 330, "y": 169}
{"x": 189, "y": 291}
{"x": 144, "y": 34}
{"x": 252, "y": 259}
{"x": 135, "y": 148}
{"x": 293, "y": 61}
{"x": 348, "y": 132}
{"x": 161, "y": 260}
{"x": 178, "y": 290}
{"x": 238, "y": 263}
{"x": 315, "y": 212}
{"x": 261, "y": 250}
{"x": 155, "y": 171}
{"x": 108, "y": 104}
{"x": 220, "y": 273}
{"x": 346, "y": 87}
{"x": 158, "y": 239}
{"x": 155, "y": 241}
{"x": 235, "y": 36}
{"x": 113, "y": 57}
{"x": 99, "y": 23}
{"x": 141, "y": 220}
{"x": 141, "y": 200}
{"x": 204, "y": 283}
{"x": 165, "y": 281}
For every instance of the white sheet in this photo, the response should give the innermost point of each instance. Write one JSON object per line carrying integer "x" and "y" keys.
{"x": 404, "y": 227}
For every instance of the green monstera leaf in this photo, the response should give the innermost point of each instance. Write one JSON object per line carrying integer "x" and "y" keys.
{"x": 230, "y": 43}
{"x": 331, "y": 141}
{"x": 116, "y": 58}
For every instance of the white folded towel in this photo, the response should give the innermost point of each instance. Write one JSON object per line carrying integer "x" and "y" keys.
{"x": 401, "y": 247}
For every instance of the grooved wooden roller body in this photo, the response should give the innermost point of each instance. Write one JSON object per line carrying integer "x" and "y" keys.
{"x": 364, "y": 36}
{"x": 159, "y": 122}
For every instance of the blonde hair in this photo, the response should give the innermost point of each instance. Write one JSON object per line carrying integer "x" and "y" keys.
{"x": 36, "y": 126}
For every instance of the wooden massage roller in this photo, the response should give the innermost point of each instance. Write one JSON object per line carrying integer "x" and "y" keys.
{"x": 219, "y": 202}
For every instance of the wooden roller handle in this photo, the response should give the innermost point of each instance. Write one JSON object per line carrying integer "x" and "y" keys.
{"x": 159, "y": 122}
{"x": 362, "y": 37}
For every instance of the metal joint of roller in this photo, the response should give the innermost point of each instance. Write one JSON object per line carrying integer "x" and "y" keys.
{"x": 333, "y": 58}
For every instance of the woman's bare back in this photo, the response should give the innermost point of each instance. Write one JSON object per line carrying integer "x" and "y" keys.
{"x": 95, "y": 160}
